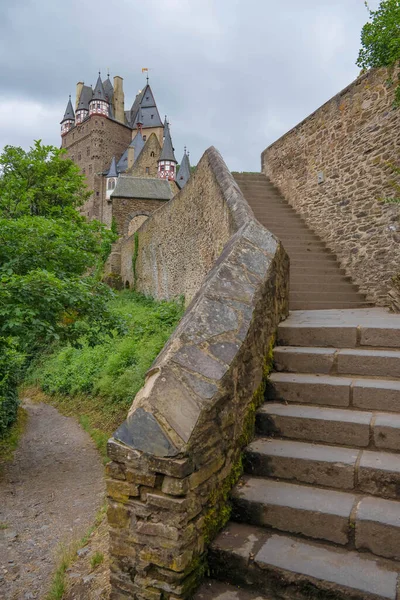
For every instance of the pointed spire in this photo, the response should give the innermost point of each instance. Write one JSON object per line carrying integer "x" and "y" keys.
{"x": 167, "y": 152}
{"x": 112, "y": 172}
{"x": 98, "y": 92}
{"x": 69, "y": 114}
{"x": 184, "y": 170}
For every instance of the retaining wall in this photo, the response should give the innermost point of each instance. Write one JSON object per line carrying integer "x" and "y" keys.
{"x": 178, "y": 454}
{"x": 348, "y": 143}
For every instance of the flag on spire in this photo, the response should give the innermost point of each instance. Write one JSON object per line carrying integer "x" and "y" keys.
{"x": 144, "y": 69}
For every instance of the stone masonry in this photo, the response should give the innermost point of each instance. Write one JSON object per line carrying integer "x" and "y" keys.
{"x": 348, "y": 143}
{"x": 178, "y": 454}
{"x": 90, "y": 146}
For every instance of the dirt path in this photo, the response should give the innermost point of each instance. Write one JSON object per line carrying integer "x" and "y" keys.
{"x": 49, "y": 495}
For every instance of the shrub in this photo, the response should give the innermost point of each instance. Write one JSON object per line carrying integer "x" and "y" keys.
{"x": 10, "y": 366}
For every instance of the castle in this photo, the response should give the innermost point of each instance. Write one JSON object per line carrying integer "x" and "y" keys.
{"x": 127, "y": 156}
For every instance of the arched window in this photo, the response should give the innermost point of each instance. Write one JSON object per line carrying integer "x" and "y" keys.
{"x": 152, "y": 154}
{"x": 144, "y": 138}
{"x": 111, "y": 183}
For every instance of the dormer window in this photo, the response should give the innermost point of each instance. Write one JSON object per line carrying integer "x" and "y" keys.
{"x": 111, "y": 183}
{"x": 152, "y": 116}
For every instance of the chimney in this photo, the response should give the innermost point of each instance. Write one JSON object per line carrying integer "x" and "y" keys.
{"x": 131, "y": 156}
{"x": 79, "y": 87}
{"x": 118, "y": 99}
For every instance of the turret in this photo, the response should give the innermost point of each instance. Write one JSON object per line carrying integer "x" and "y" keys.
{"x": 84, "y": 95}
{"x": 68, "y": 119}
{"x": 111, "y": 178}
{"x": 99, "y": 105}
{"x": 184, "y": 170}
{"x": 167, "y": 161}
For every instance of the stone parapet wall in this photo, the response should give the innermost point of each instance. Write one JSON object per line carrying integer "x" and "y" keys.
{"x": 181, "y": 242}
{"x": 350, "y": 140}
{"x": 178, "y": 454}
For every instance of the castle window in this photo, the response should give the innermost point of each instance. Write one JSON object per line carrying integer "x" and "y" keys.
{"x": 162, "y": 167}
{"x": 84, "y": 171}
{"x": 111, "y": 184}
{"x": 152, "y": 154}
{"x": 79, "y": 156}
{"x": 88, "y": 151}
{"x": 90, "y": 168}
{"x": 144, "y": 138}
{"x": 152, "y": 116}
{"x": 98, "y": 106}
{"x": 147, "y": 170}
{"x": 172, "y": 168}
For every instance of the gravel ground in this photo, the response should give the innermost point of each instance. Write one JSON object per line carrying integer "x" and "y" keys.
{"x": 49, "y": 495}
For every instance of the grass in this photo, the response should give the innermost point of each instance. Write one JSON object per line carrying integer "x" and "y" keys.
{"x": 97, "y": 384}
{"x": 3, "y": 526}
{"x": 9, "y": 442}
{"x": 96, "y": 559}
{"x": 67, "y": 555}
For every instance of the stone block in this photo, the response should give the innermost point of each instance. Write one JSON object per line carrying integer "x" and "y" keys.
{"x": 304, "y": 360}
{"x": 377, "y": 394}
{"x": 378, "y": 527}
{"x": 121, "y": 490}
{"x": 379, "y": 474}
{"x": 310, "y": 389}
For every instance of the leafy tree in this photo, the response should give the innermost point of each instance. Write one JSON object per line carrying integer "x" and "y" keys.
{"x": 50, "y": 260}
{"x": 380, "y": 38}
{"x": 39, "y": 182}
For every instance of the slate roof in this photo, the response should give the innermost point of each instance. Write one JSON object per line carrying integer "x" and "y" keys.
{"x": 167, "y": 152}
{"x": 69, "y": 112}
{"x": 98, "y": 92}
{"x": 112, "y": 172}
{"x": 149, "y": 112}
{"x": 138, "y": 144}
{"x": 184, "y": 171}
{"x": 142, "y": 187}
{"x": 85, "y": 98}
{"x": 109, "y": 92}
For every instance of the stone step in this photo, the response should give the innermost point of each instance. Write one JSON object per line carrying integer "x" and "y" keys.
{"x": 341, "y": 328}
{"x": 309, "y": 511}
{"x": 318, "y": 513}
{"x": 334, "y": 281}
{"x": 371, "y": 471}
{"x": 347, "y": 361}
{"x": 325, "y": 286}
{"x": 302, "y": 462}
{"x": 304, "y": 270}
{"x": 293, "y": 568}
{"x": 303, "y": 305}
{"x": 322, "y": 295}
{"x": 218, "y": 590}
{"x": 328, "y": 390}
{"x": 328, "y": 425}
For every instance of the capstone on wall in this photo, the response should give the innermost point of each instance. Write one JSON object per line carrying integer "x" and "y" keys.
{"x": 180, "y": 243}
{"x": 91, "y": 146}
{"x": 349, "y": 141}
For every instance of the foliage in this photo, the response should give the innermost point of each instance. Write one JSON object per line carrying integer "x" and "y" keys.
{"x": 10, "y": 368}
{"x": 99, "y": 382}
{"x": 40, "y": 182}
{"x": 380, "y": 38}
{"x": 9, "y": 441}
{"x": 50, "y": 261}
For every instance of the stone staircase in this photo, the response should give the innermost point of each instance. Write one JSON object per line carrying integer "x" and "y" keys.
{"x": 316, "y": 279}
{"x": 317, "y": 513}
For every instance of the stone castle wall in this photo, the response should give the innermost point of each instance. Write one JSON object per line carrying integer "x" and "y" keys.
{"x": 349, "y": 140}
{"x": 91, "y": 146}
{"x": 181, "y": 242}
{"x": 125, "y": 209}
{"x": 178, "y": 454}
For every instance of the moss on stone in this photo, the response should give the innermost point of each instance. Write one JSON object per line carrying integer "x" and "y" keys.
{"x": 134, "y": 257}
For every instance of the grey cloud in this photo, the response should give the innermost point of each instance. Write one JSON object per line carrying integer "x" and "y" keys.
{"x": 233, "y": 73}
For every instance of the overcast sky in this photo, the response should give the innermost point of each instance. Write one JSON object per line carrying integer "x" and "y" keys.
{"x": 235, "y": 74}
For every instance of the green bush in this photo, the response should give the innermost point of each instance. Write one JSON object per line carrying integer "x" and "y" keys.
{"x": 115, "y": 367}
{"x": 10, "y": 366}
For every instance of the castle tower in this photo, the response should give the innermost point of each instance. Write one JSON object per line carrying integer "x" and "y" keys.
{"x": 99, "y": 104}
{"x": 111, "y": 178}
{"x": 68, "y": 119}
{"x": 167, "y": 161}
{"x": 184, "y": 170}
{"x": 84, "y": 95}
